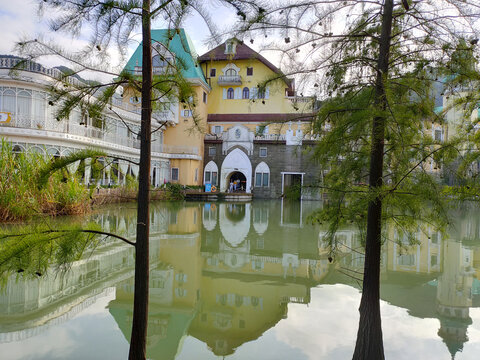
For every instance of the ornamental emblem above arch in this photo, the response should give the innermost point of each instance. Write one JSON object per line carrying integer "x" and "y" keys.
{"x": 231, "y": 66}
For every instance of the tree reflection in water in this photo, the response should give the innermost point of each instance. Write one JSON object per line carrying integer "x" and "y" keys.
{"x": 224, "y": 282}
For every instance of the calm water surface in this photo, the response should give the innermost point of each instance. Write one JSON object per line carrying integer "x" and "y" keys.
{"x": 248, "y": 281}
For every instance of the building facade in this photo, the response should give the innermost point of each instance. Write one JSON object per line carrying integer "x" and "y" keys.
{"x": 246, "y": 127}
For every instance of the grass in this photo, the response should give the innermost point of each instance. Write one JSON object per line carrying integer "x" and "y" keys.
{"x": 21, "y": 196}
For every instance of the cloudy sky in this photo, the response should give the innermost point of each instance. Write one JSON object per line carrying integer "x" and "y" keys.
{"x": 19, "y": 19}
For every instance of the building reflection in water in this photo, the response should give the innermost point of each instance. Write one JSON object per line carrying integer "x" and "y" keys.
{"x": 225, "y": 273}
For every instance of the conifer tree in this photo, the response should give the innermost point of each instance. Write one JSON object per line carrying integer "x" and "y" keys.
{"x": 379, "y": 67}
{"x": 113, "y": 23}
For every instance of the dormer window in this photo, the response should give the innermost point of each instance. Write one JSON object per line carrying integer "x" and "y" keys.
{"x": 230, "y": 47}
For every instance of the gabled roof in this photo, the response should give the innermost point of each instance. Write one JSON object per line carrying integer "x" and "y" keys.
{"x": 243, "y": 52}
{"x": 178, "y": 43}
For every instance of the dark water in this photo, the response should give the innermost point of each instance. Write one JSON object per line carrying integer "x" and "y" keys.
{"x": 249, "y": 281}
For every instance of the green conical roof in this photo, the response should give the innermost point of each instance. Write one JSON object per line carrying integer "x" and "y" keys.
{"x": 179, "y": 43}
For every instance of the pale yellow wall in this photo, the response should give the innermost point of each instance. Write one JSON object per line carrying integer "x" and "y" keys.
{"x": 186, "y": 171}
{"x": 188, "y": 221}
{"x": 423, "y": 254}
{"x": 190, "y": 130}
{"x": 276, "y": 103}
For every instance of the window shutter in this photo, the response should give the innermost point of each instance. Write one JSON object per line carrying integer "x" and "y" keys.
{"x": 253, "y": 93}
{"x": 224, "y": 94}
{"x": 238, "y": 93}
{"x": 267, "y": 92}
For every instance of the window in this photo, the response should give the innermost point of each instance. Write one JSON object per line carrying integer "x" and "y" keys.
{"x": 212, "y": 151}
{"x": 204, "y": 97}
{"x": 196, "y": 176}
{"x": 261, "y": 94}
{"x": 258, "y": 179}
{"x": 230, "y": 47}
{"x": 246, "y": 93}
{"x": 231, "y": 72}
{"x": 214, "y": 178}
{"x": 174, "y": 174}
{"x": 263, "y": 152}
{"x": 249, "y": 71}
{"x": 262, "y": 175}
{"x": 213, "y": 72}
{"x": 210, "y": 174}
{"x": 230, "y": 93}
{"x": 406, "y": 259}
{"x": 159, "y": 61}
{"x": 217, "y": 129}
{"x": 187, "y": 113}
{"x": 438, "y": 135}
{"x": 265, "y": 179}
{"x": 262, "y": 179}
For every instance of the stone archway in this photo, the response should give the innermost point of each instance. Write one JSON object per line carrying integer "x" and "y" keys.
{"x": 236, "y": 161}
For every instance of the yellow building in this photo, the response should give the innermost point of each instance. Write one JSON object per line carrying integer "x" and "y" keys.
{"x": 256, "y": 122}
{"x": 243, "y": 128}
{"x": 178, "y": 125}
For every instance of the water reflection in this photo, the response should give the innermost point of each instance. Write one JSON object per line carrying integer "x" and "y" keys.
{"x": 224, "y": 274}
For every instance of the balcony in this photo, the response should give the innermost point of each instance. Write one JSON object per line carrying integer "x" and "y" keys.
{"x": 225, "y": 80}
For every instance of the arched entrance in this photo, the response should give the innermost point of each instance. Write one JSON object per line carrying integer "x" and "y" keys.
{"x": 238, "y": 165}
{"x": 238, "y": 181}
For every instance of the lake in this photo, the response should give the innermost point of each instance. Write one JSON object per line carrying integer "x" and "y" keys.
{"x": 248, "y": 281}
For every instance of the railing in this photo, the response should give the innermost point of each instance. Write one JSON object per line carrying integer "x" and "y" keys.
{"x": 27, "y": 65}
{"x": 156, "y": 70}
{"x": 300, "y": 99}
{"x": 179, "y": 149}
{"x": 213, "y": 136}
{"x": 276, "y": 137}
{"x": 27, "y": 122}
{"x": 126, "y": 106}
{"x": 229, "y": 80}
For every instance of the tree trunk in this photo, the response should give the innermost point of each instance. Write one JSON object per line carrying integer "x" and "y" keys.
{"x": 140, "y": 305}
{"x": 369, "y": 343}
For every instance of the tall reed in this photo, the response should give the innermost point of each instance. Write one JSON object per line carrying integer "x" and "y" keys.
{"x": 20, "y": 195}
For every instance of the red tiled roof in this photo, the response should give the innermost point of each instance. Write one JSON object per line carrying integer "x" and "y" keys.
{"x": 243, "y": 52}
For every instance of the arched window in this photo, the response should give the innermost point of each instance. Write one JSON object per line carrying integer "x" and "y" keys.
{"x": 9, "y": 101}
{"x": 211, "y": 174}
{"x": 24, "y": 103}
{"x": 158, "y": 61}
{"x": 230, "y": 93}
{"x": 53, "y": 152}
{"x": 231, "y": 72}
{"x": 262, "y": 175}
{"x": 246, "y": 93}
{"x": 17, "y": 149}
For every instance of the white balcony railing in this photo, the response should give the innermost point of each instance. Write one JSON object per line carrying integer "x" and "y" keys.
{"x": 300, "y": 99}
{"x": 179, "y": 149}
{"x": 229, "y": 80}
